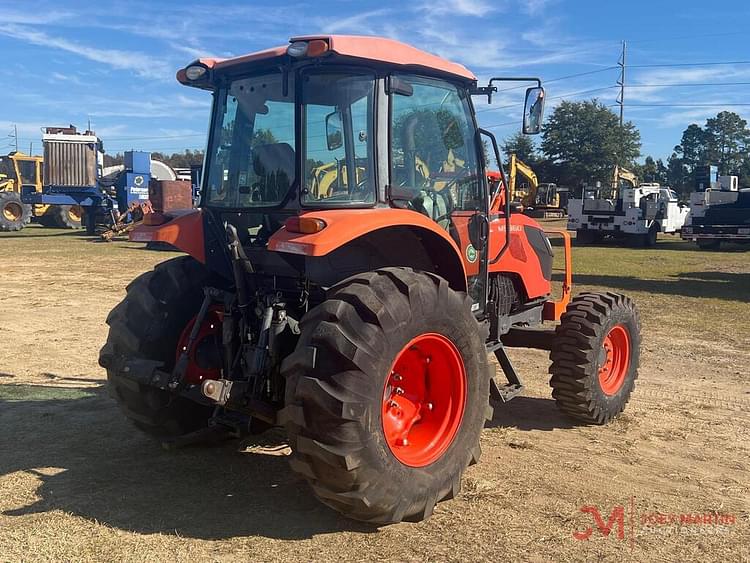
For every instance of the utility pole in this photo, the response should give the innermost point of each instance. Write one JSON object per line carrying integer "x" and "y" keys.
{"x": 621, "y": 102}
{"x": 15, "y": 134}
{"x": 621, "y": 84}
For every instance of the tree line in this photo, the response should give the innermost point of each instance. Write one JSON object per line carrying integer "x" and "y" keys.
{"x": 175, "y": 160}
{"x": 583, "y": 141}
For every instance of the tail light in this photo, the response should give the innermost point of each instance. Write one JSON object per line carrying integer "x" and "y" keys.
{"x": 305, "y": 225}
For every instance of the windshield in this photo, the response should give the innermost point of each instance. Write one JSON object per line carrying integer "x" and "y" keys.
{"x": 253, "y": 157}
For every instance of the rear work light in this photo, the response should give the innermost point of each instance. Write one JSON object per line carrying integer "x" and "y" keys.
{"x": 194, "y": 72}
{"x": 305, "y": 225}
{"x": 313, "y": 48}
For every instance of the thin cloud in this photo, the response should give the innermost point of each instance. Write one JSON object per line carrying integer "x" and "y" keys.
{"x": 141, "y": 64}
{"x": 358, "y": 23}
{"x": 462, "y": 7}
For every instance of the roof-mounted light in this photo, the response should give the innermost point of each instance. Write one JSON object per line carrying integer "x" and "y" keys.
{"x": 195, "y": 72}
{"x": 297, "y": 49}
{"x": 313, "y": 48}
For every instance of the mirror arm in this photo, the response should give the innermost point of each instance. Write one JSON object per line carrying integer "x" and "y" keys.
{"x": 490, "y": 89}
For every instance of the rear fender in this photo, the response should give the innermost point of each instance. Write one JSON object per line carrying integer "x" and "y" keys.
{"x": 356, "y": 240}
{"x": 184, "y": 231}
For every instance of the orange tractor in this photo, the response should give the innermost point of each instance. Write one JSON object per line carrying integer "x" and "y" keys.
{"x": 361, "y": 317}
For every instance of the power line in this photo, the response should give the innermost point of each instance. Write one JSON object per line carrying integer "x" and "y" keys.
{"x": 691, "y": 64}
{"x": 587, "y": 73}
{"x": 568, "y": 95}
{"x": 687, "y": 105}
{"x": 688, "y": 84}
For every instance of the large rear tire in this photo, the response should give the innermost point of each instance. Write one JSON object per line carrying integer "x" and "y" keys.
{"x": 14, "y": 214}
{"x": 148, "y": 324}
{"x": 595, "y": 356}
{"x": 387, "y": 393}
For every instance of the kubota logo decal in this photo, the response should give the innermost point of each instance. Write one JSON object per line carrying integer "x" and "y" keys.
{"x": 471, "y": 253}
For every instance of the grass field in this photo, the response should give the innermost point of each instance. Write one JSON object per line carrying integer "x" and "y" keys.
{"x": 78, "y": 482}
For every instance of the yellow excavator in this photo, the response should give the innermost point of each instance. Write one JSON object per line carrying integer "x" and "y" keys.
{"x": 17, "y": 171}
{"x": 519, "y": 193}
{"x": 535, "y": 199}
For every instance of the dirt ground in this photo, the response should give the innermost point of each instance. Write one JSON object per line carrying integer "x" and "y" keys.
{"x": 78, "y": 482}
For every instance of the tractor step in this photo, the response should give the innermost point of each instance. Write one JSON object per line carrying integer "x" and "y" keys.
{"x": 505, "y": 392}
{"x": 514, "y": 386}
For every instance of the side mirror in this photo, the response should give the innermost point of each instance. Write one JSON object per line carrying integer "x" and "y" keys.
{"x": 334, "y": 131}
{"x": 533, "y": 110}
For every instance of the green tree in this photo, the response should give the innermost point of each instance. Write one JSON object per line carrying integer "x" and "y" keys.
{"x": 727, "y": 139}
{"x": 692, "y": 150}
{"x": 522, "y": 146}
{"x": 583, "y": 141}
{"x": 677, "y": 175}
{"x": 652, "y": 171}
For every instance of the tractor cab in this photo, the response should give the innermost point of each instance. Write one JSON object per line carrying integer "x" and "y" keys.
{"x": 363, "y": 125}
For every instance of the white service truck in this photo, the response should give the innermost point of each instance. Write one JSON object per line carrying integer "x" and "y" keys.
{"x": 636, "y": 213}
{"x": 719, "y": 214}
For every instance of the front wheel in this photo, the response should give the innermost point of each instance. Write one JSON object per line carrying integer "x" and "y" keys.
{"x": 595, "y": 356}
{"x": 387, "y": 394}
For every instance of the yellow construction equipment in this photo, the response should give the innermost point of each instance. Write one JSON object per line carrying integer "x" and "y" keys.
{"x": 519, "y": 193}
{"x": 19, "y": 171}
{"x": 535, "y": 199}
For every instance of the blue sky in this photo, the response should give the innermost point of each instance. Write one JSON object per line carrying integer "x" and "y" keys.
{"x": 114, "y": 62}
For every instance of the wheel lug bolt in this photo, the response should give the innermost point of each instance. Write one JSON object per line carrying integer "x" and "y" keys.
{"x": 429, "y": 406}
{"x": 399, "y": 391}
{"x": 397, "y": 377}
{"x": 402, "y": 442}
{"x": 393, "y": 404}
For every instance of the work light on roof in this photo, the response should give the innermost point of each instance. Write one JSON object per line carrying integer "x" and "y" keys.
{"x": 297, "y": 49}
{"x": 194, "y": 72}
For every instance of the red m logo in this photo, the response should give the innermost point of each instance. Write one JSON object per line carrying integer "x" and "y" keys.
{"x": 616, "y": 516}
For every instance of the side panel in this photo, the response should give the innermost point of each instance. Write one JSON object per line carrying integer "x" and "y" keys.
{"x": 521, "y": 257}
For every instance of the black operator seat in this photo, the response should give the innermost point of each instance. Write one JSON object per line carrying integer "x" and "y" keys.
{"x": 274, "y": 166}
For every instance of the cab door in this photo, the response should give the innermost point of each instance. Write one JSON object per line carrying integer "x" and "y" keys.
{"x": 436, "y": 167}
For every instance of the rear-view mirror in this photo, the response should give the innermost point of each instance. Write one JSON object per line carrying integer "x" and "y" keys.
{"x": 334, "y": 131}
{"x": 533, "y": 110}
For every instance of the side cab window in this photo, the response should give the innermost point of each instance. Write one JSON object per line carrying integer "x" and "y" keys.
{"x": 434, "y": 149}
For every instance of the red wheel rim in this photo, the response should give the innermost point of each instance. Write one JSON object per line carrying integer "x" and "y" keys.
{"x": 209, "y": 333}
{"x": 424, "y": 400}
{"x": 615, "y": 360}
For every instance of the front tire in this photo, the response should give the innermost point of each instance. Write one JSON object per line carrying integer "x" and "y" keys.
{"x": 595, "y": 356}
{"x": 14, "y": 214}
{"x": 386, "y": 395}
{"x": 148, "y": 325}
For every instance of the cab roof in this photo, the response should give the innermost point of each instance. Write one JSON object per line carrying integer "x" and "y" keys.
{"x": 374, "y": 49}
